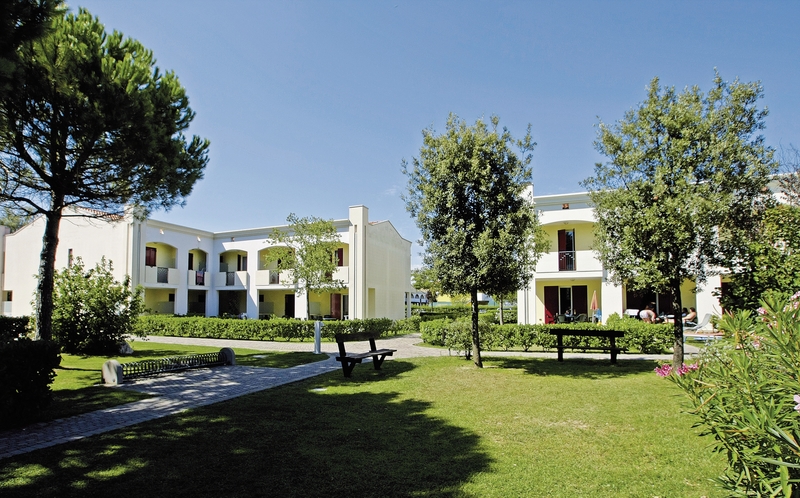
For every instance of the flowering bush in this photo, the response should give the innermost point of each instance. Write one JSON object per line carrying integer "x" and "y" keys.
{"x": 744, "y": 392}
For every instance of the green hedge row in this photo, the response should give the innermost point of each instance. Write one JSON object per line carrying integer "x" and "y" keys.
{"x": 262, "y": 330}
{"x": 457, "y": 335}
{"x": 26, "y": 372}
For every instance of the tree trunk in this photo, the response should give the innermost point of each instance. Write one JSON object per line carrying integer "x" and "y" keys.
{"x": 476, "y": 338}
{"x": 501, "y": 310}
{"x": 47, "y": 262}
{"x": 677, "y": 327}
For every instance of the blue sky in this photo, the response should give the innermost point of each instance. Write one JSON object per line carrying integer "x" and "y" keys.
{"x": 311, "y": 106}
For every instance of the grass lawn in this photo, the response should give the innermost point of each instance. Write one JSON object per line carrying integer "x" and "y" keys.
{"x": 78, "y": 385}
{"x": 427, "y": 427}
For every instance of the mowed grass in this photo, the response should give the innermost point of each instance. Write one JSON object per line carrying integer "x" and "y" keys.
{"x": 78, "y": 384}
{"x": 428, "y": 427}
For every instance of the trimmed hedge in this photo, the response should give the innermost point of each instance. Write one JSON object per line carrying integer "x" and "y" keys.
{"x": 260, "y": 330}
{"x": 639, "y": 336}
{"x": 26, "y": 372}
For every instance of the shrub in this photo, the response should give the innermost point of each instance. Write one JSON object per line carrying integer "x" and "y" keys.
{"x": 259, "y": 330}
{"x": 744, "y": 394}
{"x": 92, "y": 312}
{"x": 434, "y": 331}
{"x": 647, "y": 338}
{"x": 13, "y": 327}
{"x": 406, "y": 325}
{"x": 458, "y": 337}
{"x": 26, "y": 372}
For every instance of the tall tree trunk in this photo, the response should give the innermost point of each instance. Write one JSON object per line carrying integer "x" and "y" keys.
{"x": 677, "y": 327}
{"x": 501, "y": 310}
{"x": 47, "y": 262}
{"x": 476, "y": 337}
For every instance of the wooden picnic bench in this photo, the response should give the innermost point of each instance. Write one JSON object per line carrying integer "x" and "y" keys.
{"x": 349, "y": 360}
{"x": 609, "y": 334}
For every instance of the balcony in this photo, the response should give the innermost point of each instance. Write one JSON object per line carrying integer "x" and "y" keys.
{"x": 566, "y": 261}
{"x": 198, "y": 278}
{"x": 569, "y": 261}
{"x": 231, "y": 279}
{"x": 160, "y": 275}
{"x": 273, "y": 277}
{"x": 341, "y": 273}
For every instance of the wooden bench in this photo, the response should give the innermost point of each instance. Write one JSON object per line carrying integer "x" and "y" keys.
{"x": 609, "y": 334}
{"x": 349, "y": 360}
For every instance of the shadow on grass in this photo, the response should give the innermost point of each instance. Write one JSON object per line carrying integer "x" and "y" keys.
{"x": 326, "y": 436}
{"x": 573, "y": 367}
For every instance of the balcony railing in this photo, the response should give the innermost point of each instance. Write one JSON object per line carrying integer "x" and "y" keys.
{"x": 161, "y": 275}
{"x": 566, "y": 261}
{"x": 231, "y": 279}
{"x": 198, "y": 277}
{"x": 273, "y": 277}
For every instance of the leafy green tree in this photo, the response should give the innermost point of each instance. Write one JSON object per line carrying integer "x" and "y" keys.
{"x": 425, "y": 279}
{"x": 94, "y": 313}
{"x": 774, "y": 263}
{"x": 306, "y": 248}
{"x": 466, "y": 193}
{"x": 90, "y": 121}
{"x": 683, "y": 190}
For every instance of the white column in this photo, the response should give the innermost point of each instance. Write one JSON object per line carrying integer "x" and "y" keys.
{"x": 611, "y": 297}
{"x": 252, "y": 290}
{"x": 359, "y": 223}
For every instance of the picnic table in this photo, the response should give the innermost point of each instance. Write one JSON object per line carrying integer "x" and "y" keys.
{"x": 612, "y": 335}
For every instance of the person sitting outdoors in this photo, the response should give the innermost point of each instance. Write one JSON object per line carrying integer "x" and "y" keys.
{"x": 691, "y": 318}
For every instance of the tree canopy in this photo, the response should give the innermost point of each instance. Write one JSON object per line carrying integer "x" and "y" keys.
{"x": 465, "y": 191}
{"x": 91, "y": 121}
{"x": 684, "y": 187}
{"x": 306, "y": 248}
{"x": 21, "y": 21}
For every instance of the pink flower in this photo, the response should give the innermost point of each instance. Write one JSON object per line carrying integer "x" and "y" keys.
{"x": 762, "y": 311}
{"x": 797, "y": 400}
{"x": 664, "y": 370}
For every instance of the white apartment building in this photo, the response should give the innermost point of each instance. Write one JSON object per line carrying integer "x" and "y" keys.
{"x": 570, "y": 275}
{"x": 189, "y": 271}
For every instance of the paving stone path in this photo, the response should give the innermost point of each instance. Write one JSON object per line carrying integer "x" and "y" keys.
{"x": 174, "y": 393}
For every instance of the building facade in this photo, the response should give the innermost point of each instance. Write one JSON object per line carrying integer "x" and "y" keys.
{"x": 571, "y": 278}
{"x": 189, "y": 271}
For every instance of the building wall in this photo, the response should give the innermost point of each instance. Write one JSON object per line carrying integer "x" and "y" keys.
{"x": 89, "y": 239}
{"x": 172, "y": 287}
{"x": 388, "y": 271}
{"x": 573, "y": 212}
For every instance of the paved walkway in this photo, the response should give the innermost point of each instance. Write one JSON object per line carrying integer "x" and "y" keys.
{"x": 174, "y": 393}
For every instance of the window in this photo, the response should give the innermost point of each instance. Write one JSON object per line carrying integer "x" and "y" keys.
{"x": 69, "y": 258}
{"x": 171, "y": 297}
{"x": 338, "y": 256}
{"x": 566, "y": 250}
{"x": 191, "y": 261}
{"x": 9, "y": 296}
{"x": 150, "y": 256}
